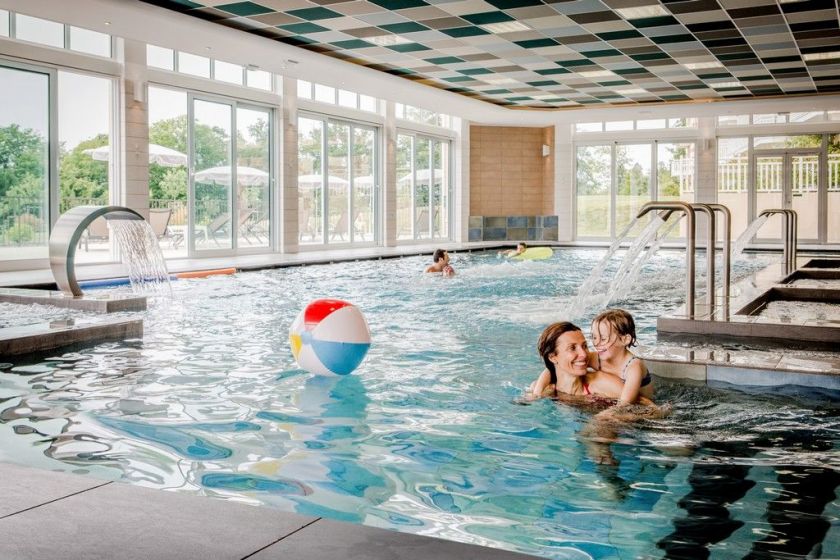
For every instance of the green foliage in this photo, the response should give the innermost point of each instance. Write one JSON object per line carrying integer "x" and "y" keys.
{"x": 21, "y": 233}
{"x": 80, "y": 176}
{"x": 22, "y": 153}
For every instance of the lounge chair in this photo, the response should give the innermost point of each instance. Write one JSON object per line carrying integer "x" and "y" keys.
{"x": 159, "y": 220}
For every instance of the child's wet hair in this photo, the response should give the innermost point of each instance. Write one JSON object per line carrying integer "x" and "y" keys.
{"x": 620, "y": 321}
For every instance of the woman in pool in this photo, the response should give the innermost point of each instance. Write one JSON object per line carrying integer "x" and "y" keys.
{"x": 566, "y": 357}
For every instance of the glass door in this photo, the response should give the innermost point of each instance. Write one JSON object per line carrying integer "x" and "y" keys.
{"x": 211, "y": 175}
{"x": 26, "y": 130}
{"x": 790, "y": 180}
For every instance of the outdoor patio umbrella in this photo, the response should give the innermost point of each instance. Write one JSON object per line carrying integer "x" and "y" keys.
{"x": 245, "y": 176}
{"x": 422, "y": 176}
{"x": 316, "y": 179}
{"x": 160, "y": 155}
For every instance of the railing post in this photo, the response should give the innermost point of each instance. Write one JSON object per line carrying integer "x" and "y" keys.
{"x": 710, "y": 255}
{"x": 690, "y": 245}
{"x": 727, "y": 254}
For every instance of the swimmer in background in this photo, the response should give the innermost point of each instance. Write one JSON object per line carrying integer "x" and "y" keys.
{"x": 441, "y": 263}
{"x": 521, "y": 247}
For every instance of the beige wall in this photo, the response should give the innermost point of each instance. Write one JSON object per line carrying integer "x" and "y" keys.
{"x": 508, "y": 174}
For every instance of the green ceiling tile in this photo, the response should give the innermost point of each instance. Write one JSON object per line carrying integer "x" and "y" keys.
{"x": 543, "y": 83}
{"x": 615, "y": 83}
{"x": 311, "y": 14}
{"x": 552, "y": 71}
{"x": 188, "y": 4}
{"x": 658, "y": 21}
{"x": 245, "y": 8}
{"x": 353, "y": 44}
{"x": 475, "y": 71}
{"x": 486, "y": 17}
{"x": 496, "y": 91}
{"x": 572, "y": 63}
{"x": 588, "y": 101}
{"x": 739, "y": 88}
{"x": 306, "y": 27}
{"x": 401, "y": 71}
{"x": 537, "y": 43}
{"x": 607, "y": 96}
{"x": 650, "y": 56}
{"x": 674, "y": 97}
{"x": 615, "y": 35}
{"x": 522, "y": 98}
{"x": 459, "y": 79}
{"x": 399, "y": 4}
{"x": 407, "y": 27}
{"x": 464, "y": 31}
{"x": 444, "y": 60}
{"x": 625, "y": 71}
{"x": 693, "y": 86}
{"x": 713, "y": 76}
{"x": 511, "y": 4}
{"x": 555, "y": 100}
{"x": 297, "y": 40}
{"x": 667, "y": 39}
{"x": 409, "y": 47}
{"x": 605, "y": 52}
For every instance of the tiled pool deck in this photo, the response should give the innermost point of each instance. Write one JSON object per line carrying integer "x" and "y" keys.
{"x": 46, "y": 514}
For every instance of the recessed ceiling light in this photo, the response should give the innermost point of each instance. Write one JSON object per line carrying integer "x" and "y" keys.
{"x": 545, "y": 96}
{"x": 505, "y": 27}
{"x": 642, "y": 12}
{"x": 727, "y": 85}
{"x": 596, "y": 74}
{"x": 702, "y": 65}
{"x": 387, "y": 40}
{"x": 821, "y": 55}
{"x": 630, "y": 91}
{"x": 499, "y": 81}
{"x": 107, "y": 23}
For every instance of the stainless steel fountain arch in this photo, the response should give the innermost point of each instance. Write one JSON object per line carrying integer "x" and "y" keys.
{"x": 791, "y": 226}
{"x": 65, "y": 238}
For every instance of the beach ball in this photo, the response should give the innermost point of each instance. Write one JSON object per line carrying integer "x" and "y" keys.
{"x": 329, "y": 336}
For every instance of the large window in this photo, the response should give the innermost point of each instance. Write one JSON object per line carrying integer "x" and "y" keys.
{"x": 423, "y": 187}
{"x": 85, "y": 155}
{"x": 227, "y": 201}
{"x": 24, "y": 163}
{"x": 615, "y": 180}
{"x": 833, "y": 204}
{"x": 594, "y": 185}
{"x": 337, "y": 163}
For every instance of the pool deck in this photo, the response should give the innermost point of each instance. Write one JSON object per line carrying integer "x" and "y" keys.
{"x": 46, "y": 514}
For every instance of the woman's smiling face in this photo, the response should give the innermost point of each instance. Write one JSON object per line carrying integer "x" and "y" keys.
{"x": 570, "y": 353}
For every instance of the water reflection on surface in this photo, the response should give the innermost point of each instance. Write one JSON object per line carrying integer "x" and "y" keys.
{"x": 429, "y": 436}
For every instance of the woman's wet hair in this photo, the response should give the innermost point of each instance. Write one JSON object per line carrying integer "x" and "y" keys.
{"x": 620, "y": 321}
{"x": 439, "y": 253}
{"x": 547, "y": 344}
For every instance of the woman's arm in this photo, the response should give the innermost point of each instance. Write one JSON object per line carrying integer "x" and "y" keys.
{"x": 592, "y": 360}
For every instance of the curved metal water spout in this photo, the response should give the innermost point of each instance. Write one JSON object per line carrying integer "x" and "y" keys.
{"x": 690, "y": 248}
{"x": 791, "y": 222}
{"x": 727, "y": 253}
{"x": 65, "y": 238}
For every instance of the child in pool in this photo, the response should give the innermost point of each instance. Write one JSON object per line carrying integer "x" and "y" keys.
{"x": 613, "y": 332}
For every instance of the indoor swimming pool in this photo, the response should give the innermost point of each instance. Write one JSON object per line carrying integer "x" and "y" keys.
{"x": 431, "y": 434}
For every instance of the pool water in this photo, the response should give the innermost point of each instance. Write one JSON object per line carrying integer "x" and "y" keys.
{"x": 430, "y": 435}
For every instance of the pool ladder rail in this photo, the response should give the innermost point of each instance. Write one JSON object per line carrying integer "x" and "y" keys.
{"x": 791, "y": 224}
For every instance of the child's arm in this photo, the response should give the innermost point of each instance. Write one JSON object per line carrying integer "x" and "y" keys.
{"x": 592, "y": 360}
{"x": 540, "y": 385}
{"x": 633, "y": 382}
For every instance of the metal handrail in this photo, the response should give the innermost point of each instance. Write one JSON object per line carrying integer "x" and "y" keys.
{"x": 691, "y": 235}
{"x": 791, "y": 224}
{"x": 711, "y": 242}
{"x": 727, "y": 253}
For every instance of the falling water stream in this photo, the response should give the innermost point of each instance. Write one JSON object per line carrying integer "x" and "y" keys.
{"x": 142, "y": 256}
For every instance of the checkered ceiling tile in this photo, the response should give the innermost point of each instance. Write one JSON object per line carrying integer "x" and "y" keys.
{"x": 562, "y": 53}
